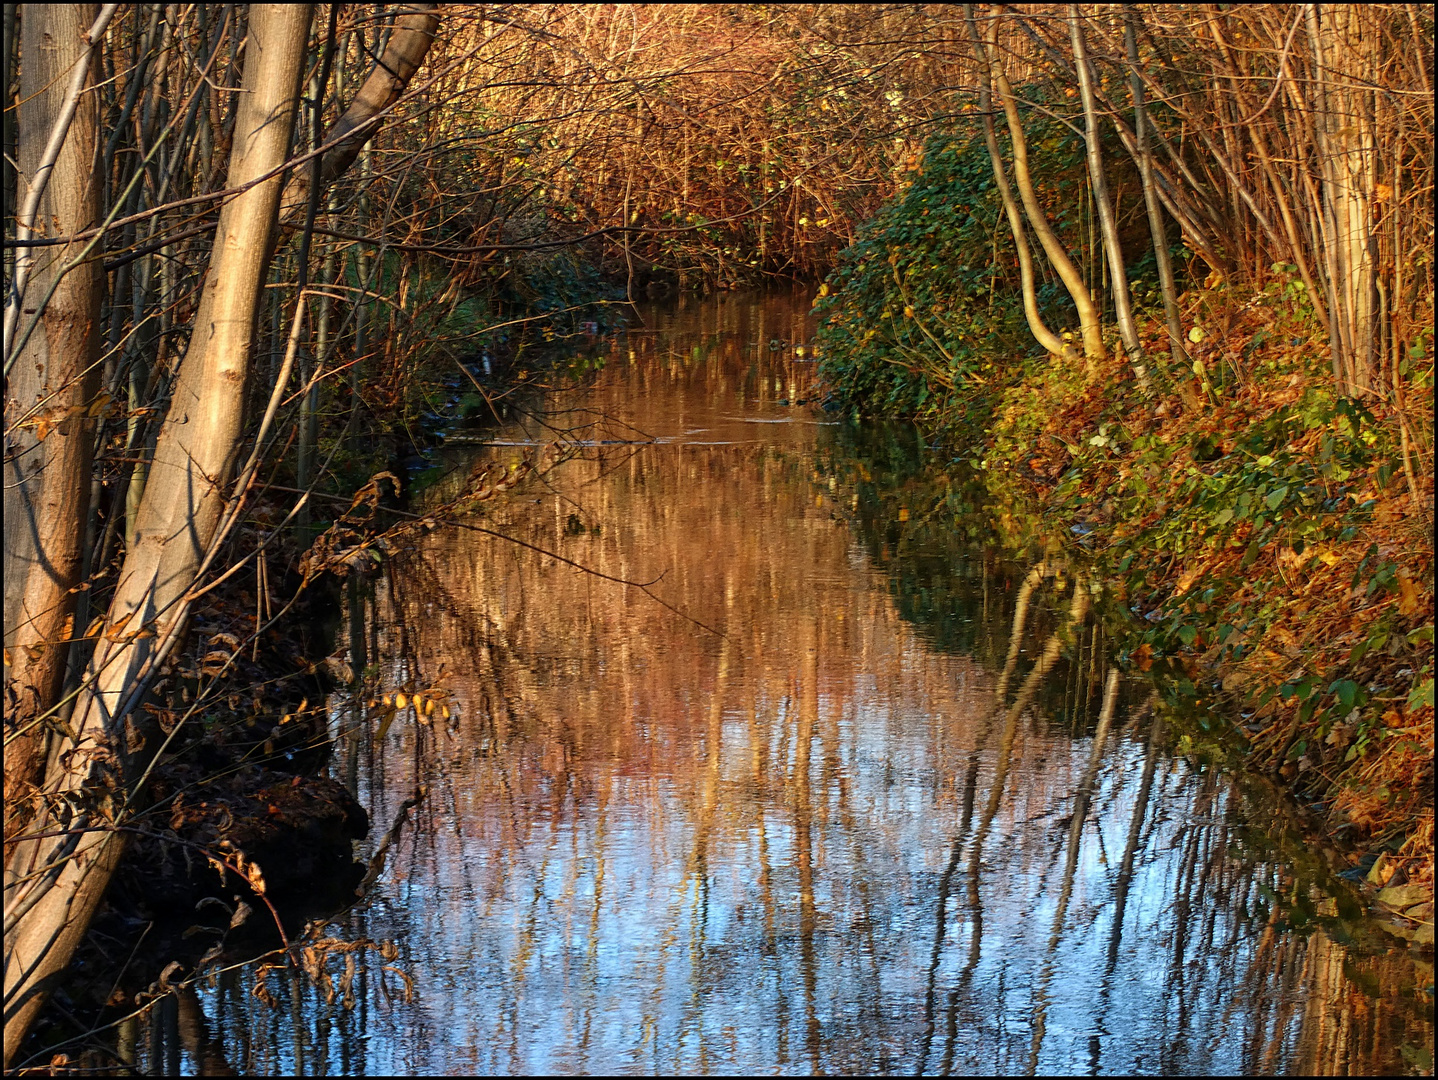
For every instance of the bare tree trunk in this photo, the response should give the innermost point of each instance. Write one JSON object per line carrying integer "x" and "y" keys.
{"x": 1068, "y": 273}
{"x": 1177, "y": 352}
{"x": 49, "y": 429}
{"x": 1042, "y": 334}
{"x": 1345, "y": 152}
{"x": 408, "y": 45}
{"x": 54, "y": 882}
{"x": 1123, "y": 305}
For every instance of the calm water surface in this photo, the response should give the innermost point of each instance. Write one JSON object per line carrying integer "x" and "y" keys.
{"x": 837, "y": 790}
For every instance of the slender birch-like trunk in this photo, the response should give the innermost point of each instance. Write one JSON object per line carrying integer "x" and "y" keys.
{"x": 1042, "y": 334}
{"x": 1123, "y": 305}
{"x": 1068, "y": 273}
{"x": 55, "y": 879}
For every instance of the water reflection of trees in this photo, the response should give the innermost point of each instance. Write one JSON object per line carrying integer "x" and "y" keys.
{"x": 832, "y": 839}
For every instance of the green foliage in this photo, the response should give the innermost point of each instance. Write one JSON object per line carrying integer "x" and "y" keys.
{"x": 925, "y": 309}
{"x": 919, "y": 304}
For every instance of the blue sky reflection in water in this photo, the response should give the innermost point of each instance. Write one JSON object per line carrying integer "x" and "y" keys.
{"x": 820, "y": 842}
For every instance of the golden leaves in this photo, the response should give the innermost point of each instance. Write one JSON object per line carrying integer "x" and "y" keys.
{"x": 425, "y": 704}
{"x": 241, "y": 864}
{"x": 1409, "y": 602}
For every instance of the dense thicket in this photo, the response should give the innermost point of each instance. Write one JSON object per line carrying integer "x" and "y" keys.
{"x": 1199, "y": 337}
{"x": 1277, "y": 141}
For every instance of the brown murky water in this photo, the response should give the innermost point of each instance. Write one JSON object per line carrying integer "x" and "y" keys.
{"x": 835, "y": 792}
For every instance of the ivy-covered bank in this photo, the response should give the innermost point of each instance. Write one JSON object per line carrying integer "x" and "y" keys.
{"x": 1272, "y": 539}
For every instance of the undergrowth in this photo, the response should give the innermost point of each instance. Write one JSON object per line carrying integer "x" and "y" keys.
{"x": 1272, "y": 540}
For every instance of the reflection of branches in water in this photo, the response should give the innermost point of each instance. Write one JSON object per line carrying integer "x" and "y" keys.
{"x": 971, "y": 780}
{"x": 1047, "y": 657}
{"x": 1076, "y": 826}
{"x": 1130, "y": 849}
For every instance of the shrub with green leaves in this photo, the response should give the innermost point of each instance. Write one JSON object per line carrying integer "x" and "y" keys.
{"x": 926, "y": 303}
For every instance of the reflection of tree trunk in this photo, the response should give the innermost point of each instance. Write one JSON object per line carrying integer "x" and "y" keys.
{"x": 1130, "y": 847}
{"x": 1076, "y": 824}
{"x": 1081, "y": 803}
{"x": 709, "y": 793}
{"x": 1031, "y": 580}
{"x": 804, "y": 840}
{"x": 1078, "y": 609}
{"x": 966, "y": 816}
{"x": 208, "y": 1054}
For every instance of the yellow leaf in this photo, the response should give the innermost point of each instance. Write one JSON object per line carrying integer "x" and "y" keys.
{"x": 389, "y": 716}
{"x": 1407, "y": 596}
{"x": 400, "y": 701}
{"x": 904, "y": 513}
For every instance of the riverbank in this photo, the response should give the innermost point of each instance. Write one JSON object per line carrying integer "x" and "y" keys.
{"x": 1272, "y": 539}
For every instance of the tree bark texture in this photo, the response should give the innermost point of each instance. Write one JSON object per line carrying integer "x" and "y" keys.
{"x": 1178, "y": 353}
{"x": 408, "y": 45}
{"x": 50, "y": 403}
{"x": 1347, "y": 156}
{"x": 53, "y": 882}
{"x": 1042, "y": 334}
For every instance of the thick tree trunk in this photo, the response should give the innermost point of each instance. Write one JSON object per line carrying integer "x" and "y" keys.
{"x": 1347, "y": 157}
{"x": 1118, "y": 273}
{"x": 1068, "y": 273}
{"x": 54, "y": 882}
{"x": 49, "y": 426}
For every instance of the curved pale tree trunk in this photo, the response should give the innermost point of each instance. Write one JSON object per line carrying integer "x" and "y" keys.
{"x": 49, "y": 399}
{"x": 1118, "y": 273}
{"x": 54, "y": 882}
{"x": 1064, "y": 266}
{"x": 1042, "y": 334}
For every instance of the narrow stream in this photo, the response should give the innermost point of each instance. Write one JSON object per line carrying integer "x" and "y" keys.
{"x": 807, "y": 781}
